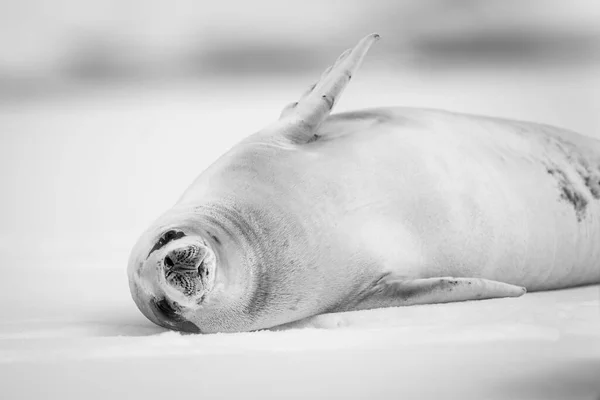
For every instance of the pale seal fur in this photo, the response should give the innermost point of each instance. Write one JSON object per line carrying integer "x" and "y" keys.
{"x": 366, "y": 209}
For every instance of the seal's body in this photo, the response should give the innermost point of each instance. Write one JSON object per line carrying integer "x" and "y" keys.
{"x": 374, "y": 208}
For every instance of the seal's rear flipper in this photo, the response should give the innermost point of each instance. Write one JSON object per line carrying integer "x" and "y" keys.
{"x": 391, "y": 291}
{"x": 303, "y": 117}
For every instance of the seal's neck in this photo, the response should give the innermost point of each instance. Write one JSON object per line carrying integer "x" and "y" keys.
{"x": 234, "y": 236}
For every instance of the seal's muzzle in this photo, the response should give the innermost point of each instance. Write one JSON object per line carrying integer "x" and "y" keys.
{"x": 187, "y": 268}
{"x": 185, "y": 258}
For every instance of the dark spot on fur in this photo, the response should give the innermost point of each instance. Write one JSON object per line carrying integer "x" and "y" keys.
{"x": 165, "y": 239}
{"x": 216, "y": 239}
{"x": 569, "y": 193}
{"x": 593, "y": 183}
{"x": 582, "y": 164}
{"x": 576, "y": 199}
{"x": 328, "y": 100}
{"x": 314, "y": 138}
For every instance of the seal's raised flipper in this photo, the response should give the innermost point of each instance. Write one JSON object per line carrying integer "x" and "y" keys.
{"x": 392, "y": 291}
{"x": 303, "y": 117}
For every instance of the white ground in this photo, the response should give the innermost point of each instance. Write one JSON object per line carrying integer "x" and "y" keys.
{"x": 83, "y": 175}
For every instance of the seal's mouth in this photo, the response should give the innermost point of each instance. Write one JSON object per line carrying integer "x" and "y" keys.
{"x": 189, "y": 269}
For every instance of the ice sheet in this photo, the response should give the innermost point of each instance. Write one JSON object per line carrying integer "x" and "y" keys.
{"x": 73, "y": 332}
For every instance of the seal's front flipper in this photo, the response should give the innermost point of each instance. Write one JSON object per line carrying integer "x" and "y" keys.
{"x": 392, "y": 291}
{"x": 299, "y": 120}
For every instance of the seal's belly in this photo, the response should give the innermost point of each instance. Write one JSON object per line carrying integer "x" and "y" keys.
{"x": 441, "y": 194}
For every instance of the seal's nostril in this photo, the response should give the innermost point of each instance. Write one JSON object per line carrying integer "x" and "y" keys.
{"x": 168, "y": 262}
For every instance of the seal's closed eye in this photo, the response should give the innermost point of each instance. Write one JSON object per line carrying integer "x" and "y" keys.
{"x": 165, "y": 239}
{"x": 170, "y": 318}
{"x": 165, "y": 310}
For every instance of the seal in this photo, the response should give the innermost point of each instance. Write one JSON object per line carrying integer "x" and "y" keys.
{"x": 320, "y": 213}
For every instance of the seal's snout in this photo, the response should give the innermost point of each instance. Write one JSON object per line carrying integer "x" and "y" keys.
{"x": 189, "y": 269}
{"x": 185, "y": 258}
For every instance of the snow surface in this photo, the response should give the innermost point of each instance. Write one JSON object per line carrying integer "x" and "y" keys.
{"x": 75, "y": 333}
{"x": 83, "y": 175}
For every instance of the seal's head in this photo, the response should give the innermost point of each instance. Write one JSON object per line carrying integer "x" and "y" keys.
{"x": 171, "y": 274}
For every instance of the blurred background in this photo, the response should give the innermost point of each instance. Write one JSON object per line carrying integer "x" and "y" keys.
{"x": 109, "y": 109}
